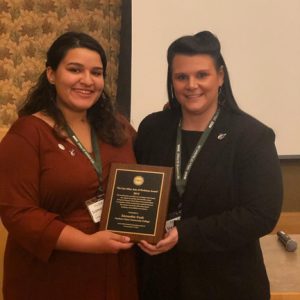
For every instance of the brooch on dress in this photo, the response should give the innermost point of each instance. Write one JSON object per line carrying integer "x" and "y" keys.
{"x": 62, "y": 147}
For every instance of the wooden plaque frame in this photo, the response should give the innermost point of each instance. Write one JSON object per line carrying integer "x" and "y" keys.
{"x": 136, "y": 201}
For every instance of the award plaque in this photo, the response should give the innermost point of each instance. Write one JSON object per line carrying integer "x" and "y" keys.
{"x": 136, "y": 201}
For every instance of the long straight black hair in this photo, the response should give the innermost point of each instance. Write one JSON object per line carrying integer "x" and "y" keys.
{"x": 203, "y": 42}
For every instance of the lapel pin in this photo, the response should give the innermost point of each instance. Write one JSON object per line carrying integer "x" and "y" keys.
{"x": 61, "y": 146}
{"x": 221, "y": 136}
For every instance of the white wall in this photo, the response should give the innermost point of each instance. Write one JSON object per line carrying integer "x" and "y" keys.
{"x": 260, "y": 43}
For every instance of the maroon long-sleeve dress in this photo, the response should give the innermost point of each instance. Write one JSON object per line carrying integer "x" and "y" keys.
{"x": 44, "y": 182}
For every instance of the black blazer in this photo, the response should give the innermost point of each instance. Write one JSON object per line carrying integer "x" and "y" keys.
{"x": 232, "y": 198}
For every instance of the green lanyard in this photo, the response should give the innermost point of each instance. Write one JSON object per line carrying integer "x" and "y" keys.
{"x": 181, "y": 180}
{"x": 96, "y": 163}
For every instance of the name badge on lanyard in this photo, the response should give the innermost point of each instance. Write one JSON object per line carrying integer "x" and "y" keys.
{"x": 95, "y": 206}
{"x": 173, "y": 219}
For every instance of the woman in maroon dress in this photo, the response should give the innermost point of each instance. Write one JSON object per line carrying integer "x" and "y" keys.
{"x": 54, "y": 158}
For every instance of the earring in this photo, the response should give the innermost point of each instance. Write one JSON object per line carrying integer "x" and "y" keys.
{"x": 221, "y": 96}
{"x": 51, "y": 80}
{"x": 219, "y": 90}
{"x": 172, "y": 93}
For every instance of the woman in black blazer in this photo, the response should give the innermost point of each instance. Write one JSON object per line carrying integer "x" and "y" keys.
{"x": 227, "y": 187}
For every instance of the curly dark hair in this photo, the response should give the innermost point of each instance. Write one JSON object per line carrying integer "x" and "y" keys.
{"x": 42, "y": 97}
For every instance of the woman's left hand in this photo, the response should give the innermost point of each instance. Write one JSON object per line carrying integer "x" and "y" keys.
{"x": 167, "y": 243}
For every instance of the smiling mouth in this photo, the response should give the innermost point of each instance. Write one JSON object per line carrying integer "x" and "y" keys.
{"x": 194, "y": 96}
{"x": 83, "y": 92}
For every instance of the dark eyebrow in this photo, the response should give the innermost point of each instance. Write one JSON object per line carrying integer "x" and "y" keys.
{"x": 183, "y": 72}
{"x": 80, "y": 65}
